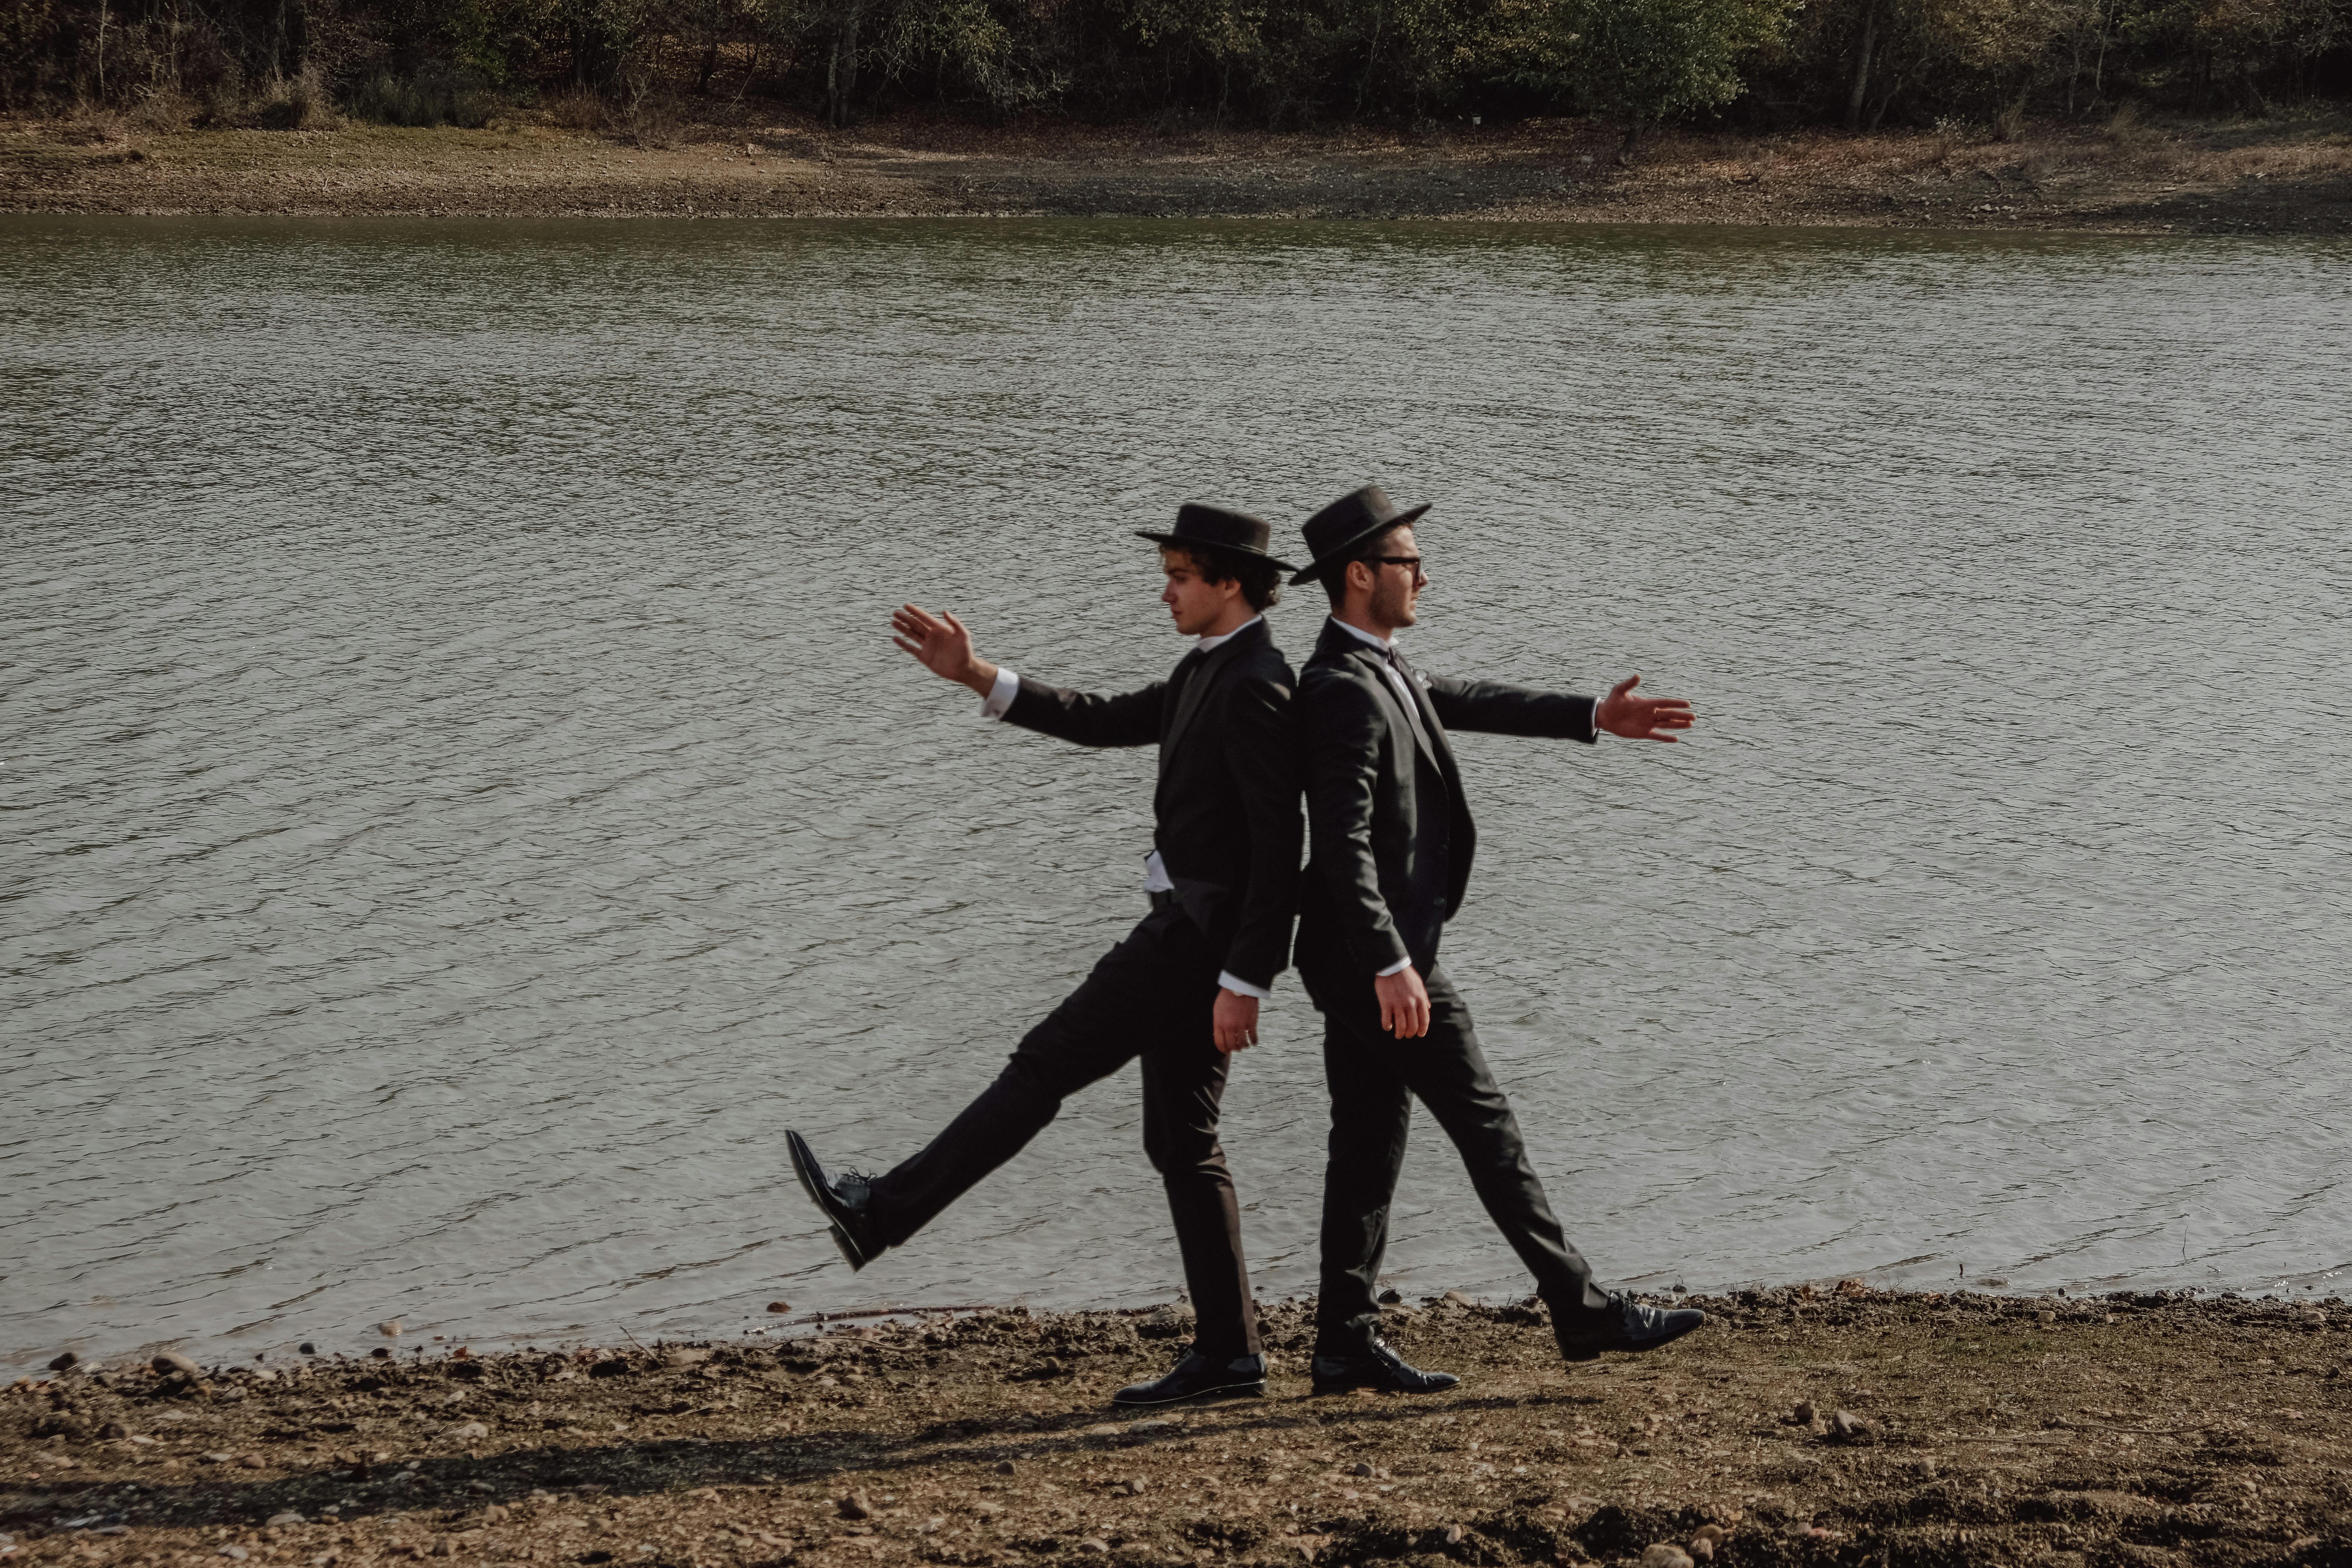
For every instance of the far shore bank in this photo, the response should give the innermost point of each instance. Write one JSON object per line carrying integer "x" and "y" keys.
{"x": 2291, "y": 175}
{"x": 1799, "y": 1426}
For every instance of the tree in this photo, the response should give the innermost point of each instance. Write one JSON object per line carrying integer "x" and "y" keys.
{"x": 2224, "y": 48}
{"x": 1977, "y": 57}
{"x": 1643, "y": 62}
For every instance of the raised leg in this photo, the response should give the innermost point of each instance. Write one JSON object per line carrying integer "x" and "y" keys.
{"x": 1450, "y": 1075}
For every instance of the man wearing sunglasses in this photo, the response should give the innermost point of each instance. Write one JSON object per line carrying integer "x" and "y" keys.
{"x": 1392, "y": 841}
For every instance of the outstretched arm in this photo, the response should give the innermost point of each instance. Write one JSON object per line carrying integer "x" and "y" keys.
{"x": 944, "y": 647}
{"x": 1641, "y": 718}
{"x": 1499, "y": 709}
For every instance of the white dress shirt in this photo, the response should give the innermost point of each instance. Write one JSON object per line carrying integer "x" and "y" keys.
{"x": 1396, "y": 678}
{"x": 1155, "y": 871}
{"x": 1386, "y": 645}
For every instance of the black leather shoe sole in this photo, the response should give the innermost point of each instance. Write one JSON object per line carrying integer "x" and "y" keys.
{"x": 805, "y": 1166}
{"x": 1383, "y": 1385}
{"x": 1124, "y": 1401}
{"x": 1594, "y": 1349}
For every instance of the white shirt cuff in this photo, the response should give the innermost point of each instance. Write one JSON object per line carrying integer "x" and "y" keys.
{"x": 1000, "y": 695}
{"x": 1243, "y": 987}
{"x": 1399, "y": 967}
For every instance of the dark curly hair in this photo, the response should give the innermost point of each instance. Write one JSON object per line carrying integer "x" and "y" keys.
{"x": 1261, "y": 579}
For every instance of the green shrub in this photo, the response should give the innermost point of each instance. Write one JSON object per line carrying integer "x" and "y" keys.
{"x": 1640, "y": 62}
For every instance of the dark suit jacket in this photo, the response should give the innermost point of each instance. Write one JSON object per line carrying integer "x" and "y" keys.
{"x": 1392, "y": 834}
{"x": 1226, "y": 819}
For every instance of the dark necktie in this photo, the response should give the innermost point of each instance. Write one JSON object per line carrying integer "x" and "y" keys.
{"x": 1412, "y": 697}
{"x": 1172, "y": 702}
{"x": 1181, "y": 674}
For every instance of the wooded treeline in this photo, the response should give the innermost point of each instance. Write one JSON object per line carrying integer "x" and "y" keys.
{"x": 1279, "y": 63}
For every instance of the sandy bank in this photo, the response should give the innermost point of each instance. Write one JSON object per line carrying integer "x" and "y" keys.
{"x": 2130, "y": 1430}
{"x": 2266, "y": 176}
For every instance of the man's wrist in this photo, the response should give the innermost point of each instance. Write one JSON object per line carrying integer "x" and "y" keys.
{"x": 1229, "y": 981}
{"x": 981, "y": 676}
{"x": 996, "y": 698}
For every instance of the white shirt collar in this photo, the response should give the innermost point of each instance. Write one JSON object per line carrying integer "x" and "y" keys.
{"x": 1207, "y": 644}
{"x": 1384, "y": 644}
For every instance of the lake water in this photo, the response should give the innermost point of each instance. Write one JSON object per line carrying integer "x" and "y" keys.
{"x": 461, "y": 803}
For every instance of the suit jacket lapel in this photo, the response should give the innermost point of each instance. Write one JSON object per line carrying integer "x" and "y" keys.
{"x": 1411, "y": 715}
{"x": 1429, "y": 730}
{"x": 1195, "y": 689}
{"x": 1339, "y": 644}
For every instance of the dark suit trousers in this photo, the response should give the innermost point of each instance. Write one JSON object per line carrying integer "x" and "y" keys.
{"x": 1150, "y": 996}
{"x": 1373, "y": 1079}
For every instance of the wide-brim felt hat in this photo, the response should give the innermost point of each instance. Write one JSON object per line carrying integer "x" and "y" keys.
{"x": 1333, "y": 534}
{"x": 1219, "y": 528}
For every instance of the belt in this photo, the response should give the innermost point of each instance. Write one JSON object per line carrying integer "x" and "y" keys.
{"x": 1165, "y": 899}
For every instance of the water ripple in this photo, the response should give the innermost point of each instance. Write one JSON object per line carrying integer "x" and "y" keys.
{"x": 461, "y": 805}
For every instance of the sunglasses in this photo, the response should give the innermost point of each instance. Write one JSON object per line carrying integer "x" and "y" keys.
{"x": 1411, "y": 563}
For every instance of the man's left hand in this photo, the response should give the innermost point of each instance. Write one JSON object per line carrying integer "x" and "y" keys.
{"x": 1235, "y": 1021}
{"x": 1639, "y": 718}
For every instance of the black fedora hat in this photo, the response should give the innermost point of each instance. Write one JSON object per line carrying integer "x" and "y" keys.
{"x": 1217, "y": 528}
{"x": 1333, "y": 534}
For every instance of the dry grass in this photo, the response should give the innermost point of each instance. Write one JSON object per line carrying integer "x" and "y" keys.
{"x": 643, "y": 155}
{"x": 161, "y": 111}
{"x": 575, "y": 110}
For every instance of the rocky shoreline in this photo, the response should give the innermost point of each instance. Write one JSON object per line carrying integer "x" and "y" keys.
{"x": 2273, "y": 177}
{"x": 1800, "y": 1425}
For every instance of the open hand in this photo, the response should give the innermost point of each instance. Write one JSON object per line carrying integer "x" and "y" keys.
{"x": 1639, "y": 718}
{"x": 1405, "y": 1003}
{"x": 1234, "y": 1021}
{"x": 943, "y": 645}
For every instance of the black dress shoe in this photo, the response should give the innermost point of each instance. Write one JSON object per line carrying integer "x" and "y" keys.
{"x": 1624, "y": 1324}
{"x": 1198, "y": 1377}
{"x": 1375, "y": 1367}
{"x": 843, "y": 1200}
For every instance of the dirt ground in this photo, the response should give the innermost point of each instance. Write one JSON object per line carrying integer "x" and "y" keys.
{"x": 1798, "y": 1426}
{"x": 2289, "y": 174}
